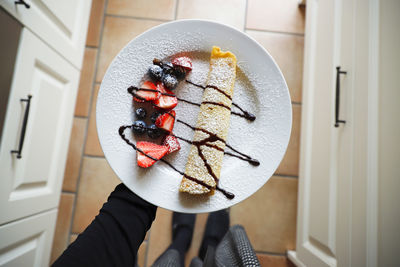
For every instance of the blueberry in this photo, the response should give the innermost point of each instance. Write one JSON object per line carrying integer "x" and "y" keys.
{"x": 139, "y": 127}
{"x": 140, "y": 113}
{"x": 168, "y": 68}
{"x": 156, "y": 72}
{"x": 153, "y": 131}
{"x": 170, "y": 81}
{"x": 154, "y": 116}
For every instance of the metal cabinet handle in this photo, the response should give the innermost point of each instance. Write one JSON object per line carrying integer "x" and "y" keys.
{"x": 338, "y": 72}
{"x": 22, "y": 2}
{"x": 24, "y": 123}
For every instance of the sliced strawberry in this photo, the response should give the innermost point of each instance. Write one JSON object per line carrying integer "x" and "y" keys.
{"x": 171, "y": 142}
{"x": 167, "y": 99}
{"x": 147, "y": 92}
{"x": 152, "y": 151}
{"x": 166, "y": 121}
{"x": 138, "y": 100}
{"x": 183, "y": 62}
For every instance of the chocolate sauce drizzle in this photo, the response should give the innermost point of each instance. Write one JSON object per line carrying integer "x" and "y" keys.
{"x": 205, "y": 142}
{"x": 245, "y": 114}
{"x": 229, "y": 195}
{"x": 242, "y": 156}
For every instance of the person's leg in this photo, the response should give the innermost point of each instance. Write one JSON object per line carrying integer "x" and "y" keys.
{"x": 182, "y": 232}
{"x": 216, "y": 227}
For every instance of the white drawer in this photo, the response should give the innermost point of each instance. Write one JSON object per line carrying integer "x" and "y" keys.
{"x": 27, "y": 242}
{"x": 61, "y": 24}
{"x": 32, "y": 183}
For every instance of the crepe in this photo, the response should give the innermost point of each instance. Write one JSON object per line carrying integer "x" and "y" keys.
{"x": 203, "y": 167}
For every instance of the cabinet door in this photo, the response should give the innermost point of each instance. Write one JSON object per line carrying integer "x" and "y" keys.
{"x": 31, "y": 184}
{"x": 27, "y": 242}
{"x": 325, "y": 178}
{"x": 61, "y": 24}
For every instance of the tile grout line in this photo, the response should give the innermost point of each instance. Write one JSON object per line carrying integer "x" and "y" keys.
{"x": 93, "y": 156}
{"x": 245, "y": 15}
{"x": 270, "y": 253}
{"x": 79, "y": 117}
{"x": 276, "y": 32}
{"x": 134, "y": 17}
{"x": 147, "y": 250}
{"x": 87, "y": 127}
{"x": 176, "y": 9}
{"x": 68, "y": 192}
{"x": 286, "y": 176}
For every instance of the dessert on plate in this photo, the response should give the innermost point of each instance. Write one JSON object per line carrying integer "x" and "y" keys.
{"x": 207, "y": 148}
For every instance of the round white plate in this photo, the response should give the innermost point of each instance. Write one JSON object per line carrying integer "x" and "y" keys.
{"x": 260, "y": 88}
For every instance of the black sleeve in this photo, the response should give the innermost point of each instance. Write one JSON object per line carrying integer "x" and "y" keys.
{"x": 114, "y": 236}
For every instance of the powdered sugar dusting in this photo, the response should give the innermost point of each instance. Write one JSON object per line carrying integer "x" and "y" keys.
{"x": 259, "y": 88}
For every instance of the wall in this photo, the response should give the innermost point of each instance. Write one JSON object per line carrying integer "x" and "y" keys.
{"x": 389, "y": 134}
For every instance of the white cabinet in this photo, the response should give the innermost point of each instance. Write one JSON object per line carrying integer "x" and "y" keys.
{"x": 24, "y": 243}
{"x": 32, "y": 183}
{"x": 332, "y": 224}
{"x": 62, "y": 24}
{"x": 38, "y": 118}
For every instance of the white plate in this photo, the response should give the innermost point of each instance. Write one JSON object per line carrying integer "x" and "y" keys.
{"x": 260, "y": 88}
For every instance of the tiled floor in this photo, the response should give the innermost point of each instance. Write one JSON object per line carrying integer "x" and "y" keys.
{"x": 270, "y": 219}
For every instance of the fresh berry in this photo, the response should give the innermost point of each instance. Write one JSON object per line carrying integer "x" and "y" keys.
{"x": 172, "y": 143}
{"x": 166, "y": 121}
{"x": 183, "y": 62}
{"x": 156, "y": 72}
{"x": 167, "y": 99}
{"x": 170, "y": 81}
{"x": 139, "y": 127}
{"x": 140, "y": 113}
{"x": 154, "y": 116}
{"x": 153, "y": 131}
{"x": 167, "y": 67}
{"x": 179, "y": 72}
{"x": 152, "y": 153}
{"x": 147, "y": 92}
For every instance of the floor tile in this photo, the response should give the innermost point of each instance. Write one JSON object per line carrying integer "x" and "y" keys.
{"x": 60, "y": 241}
{"x": 160, "y": 235}
{"x": 267, "y": 260}
{"x": 228, "y": 12}
{"x": 72, "y": 238}
{"x": 74, "y": 154}
{"x": 153, "y": 9}
{"x": 290, "y": 162}
{"x": 96, "y": 183}
{"x": 141, "y": 254}
{"x": 269, "y": 216}
{"x": 116, "y": 34}
{"x": 96, "y": 18}
{"x": 287, "y": 50}
{"x": 86, "y": 82}
{"x": 92, "y": 146}
{"x": 272, "y": 15}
